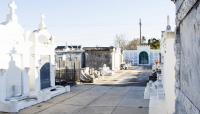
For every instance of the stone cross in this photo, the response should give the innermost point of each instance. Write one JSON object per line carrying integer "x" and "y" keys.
{"x": 13, "y": 7}
{"x": 42, "y": 22}
{"x": 12, "y": 16}
{"x": 13, "y": 51}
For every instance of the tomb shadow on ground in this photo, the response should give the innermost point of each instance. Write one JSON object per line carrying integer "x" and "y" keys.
{"x": 135, "y": 76}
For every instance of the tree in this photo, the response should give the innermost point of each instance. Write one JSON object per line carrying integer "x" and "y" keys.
{"x": 120, "y": 41}
{"x": 132, "y": 45}
{"x": 154, "y": 43}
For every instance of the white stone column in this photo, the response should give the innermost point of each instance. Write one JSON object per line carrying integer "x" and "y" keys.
{"x": 37, "y": 64}
{"x": 2, "y": 84}
{"x": 169, "y": 73}
{"x": 113, "y": 60}
{"x": 26, "y": 87}
{"x": 37, "y": 73}
{"x": 52, "y": 69}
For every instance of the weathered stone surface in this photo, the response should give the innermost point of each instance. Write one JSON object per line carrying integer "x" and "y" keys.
{"x": 96, "y": 57}
{"x": 187, "y": 48}
{"x": 178, "y": 4}
{"x": 182, "y": 9}
{"x": 185, "y": 106}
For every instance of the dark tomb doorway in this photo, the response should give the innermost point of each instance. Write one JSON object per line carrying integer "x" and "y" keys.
{"x": 45, "y": 80}
{"x": 143, "y": 58}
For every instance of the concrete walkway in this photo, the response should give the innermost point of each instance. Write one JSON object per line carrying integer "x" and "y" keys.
{"x": 100, "y": 99}
{"x": 93, "y": 99}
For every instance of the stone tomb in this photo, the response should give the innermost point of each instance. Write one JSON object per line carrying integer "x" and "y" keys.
{"x": 26, "y": 65}
{"x": 13, "y": 63}
{"x": 96, "y": 57}
{"x": 42, "y": 59}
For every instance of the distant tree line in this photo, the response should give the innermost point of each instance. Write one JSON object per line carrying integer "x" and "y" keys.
{"x": 132, "y": 45}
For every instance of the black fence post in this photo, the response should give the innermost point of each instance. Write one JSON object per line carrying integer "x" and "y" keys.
{"x": 59, "y": 71}
{"x": 74, "y": 73}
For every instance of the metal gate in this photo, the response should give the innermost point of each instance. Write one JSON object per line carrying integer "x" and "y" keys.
{"x": 45, "y": 76}
{"x": 68, "y": 75}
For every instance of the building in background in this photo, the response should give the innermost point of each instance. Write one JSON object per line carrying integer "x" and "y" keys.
{"x": 143, "y": 55}
{"x": 65, "y": 54}
{"x": 69, "y": 62}
{"x": 96, "y": 57}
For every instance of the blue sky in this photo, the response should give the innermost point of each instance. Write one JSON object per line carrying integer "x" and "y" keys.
{"x": 94, "y": 22}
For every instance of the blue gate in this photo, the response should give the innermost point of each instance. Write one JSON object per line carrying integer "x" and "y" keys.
{"x": 45, "y": 76}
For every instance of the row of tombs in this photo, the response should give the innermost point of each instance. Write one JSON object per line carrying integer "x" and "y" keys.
{"x": 32, "y": 70}
{"x": 160, "y": 89}
{"x": 86, "y": 64}
{"x": 27, "y": 64}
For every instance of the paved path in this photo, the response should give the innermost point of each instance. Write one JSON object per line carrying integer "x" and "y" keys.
{"x": 122, "y": 96}
{"x": 138, "y": 76}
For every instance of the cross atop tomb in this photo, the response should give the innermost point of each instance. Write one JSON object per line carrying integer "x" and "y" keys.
{"x": 12, "y": 16}
{"x": 42, "y": 22}
{"x": 13, "y": 7}
{"x": 13, "y": 51}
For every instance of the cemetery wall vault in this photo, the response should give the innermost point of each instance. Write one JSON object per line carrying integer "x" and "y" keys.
{"x": 187, "y": 46}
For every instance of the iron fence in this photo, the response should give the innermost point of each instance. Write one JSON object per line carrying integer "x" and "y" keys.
{"x": 68, "y": 75}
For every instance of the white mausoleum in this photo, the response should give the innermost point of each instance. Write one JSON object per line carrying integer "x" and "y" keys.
{"x": 14, "y": 63}
{"x": 42, "y": 61}
{"x": 26, "y": 65}
{"x": 143, "y": 55}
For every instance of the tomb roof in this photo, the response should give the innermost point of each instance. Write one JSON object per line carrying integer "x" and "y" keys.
{"x": 60, "y": 47}
{"x": 98, "y": 48}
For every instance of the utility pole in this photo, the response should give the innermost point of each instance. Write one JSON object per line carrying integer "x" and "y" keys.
{"x": 140, "y": 31}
